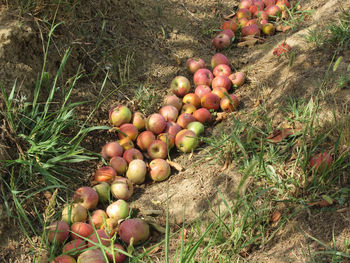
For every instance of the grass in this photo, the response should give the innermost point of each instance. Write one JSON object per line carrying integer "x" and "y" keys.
{"x": 146, "y": 99}
{"x": 295, "y": 16}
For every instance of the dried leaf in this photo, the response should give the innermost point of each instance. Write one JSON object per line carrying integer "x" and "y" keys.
{"x": 221, "y": 116}
{"x": 230, "y": 16}
{"x": 281, "y": 28}
{"x": 279, "y": 135}
{"x": 247, "y": 43}
{"x": 226, "y": 164}
{"x": 154, "y": 250}
{"x": 322, "y": 203}
{"x": 257, "y": 103}
{"x": 276, "y": 216}
{"x": 175, "y": 165}
{"x": 190, "y": 156}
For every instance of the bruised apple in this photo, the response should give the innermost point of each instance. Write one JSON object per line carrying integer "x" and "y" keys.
{"x": 105, "y": 174}
{"x": 122, "y": 188}
{"x": 229, "y": 103}
{"x": 136, "y": 172}
{"x": 237, "y": 79}
{"x": 188, "y": 108}
{"x": 139, "y": 120}
{"x": 174, "y": 101}
{"x": 159, "y": 170}
{"x": 135, "y": 228}
{"x": 193, "y": 99}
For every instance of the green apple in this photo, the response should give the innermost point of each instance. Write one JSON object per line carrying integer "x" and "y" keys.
{"x": 103, "y": 190}
{"x": 186, "y": 140}
{"x": 196, "y": 126}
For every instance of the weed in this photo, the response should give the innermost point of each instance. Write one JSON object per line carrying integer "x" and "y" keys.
{"x": 340, "y": 32}
{"x": 146, "y": 99}
{"x": 295, "y": 16}
{"x": 316, "y": 37}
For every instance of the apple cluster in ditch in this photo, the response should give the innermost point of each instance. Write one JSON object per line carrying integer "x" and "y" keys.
{"x": 252, "y": 18}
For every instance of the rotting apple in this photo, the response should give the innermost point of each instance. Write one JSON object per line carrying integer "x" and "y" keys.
{"x": 126, "y": 143}
{"x": 139, "y": 120}
{"x": 245, "y": 4}
{"x": 273, "y": 11}
{"x": 122, "y": 188}
{"x": 229, "y": 103}
{"x": 105, "y": 174}
{"x": 237, "y": 79}
{"x": 243, "y": 13}
{"x": 220, "y": 91}
{"x": 231, "y": 24}
{"x": 64, "y": 259}
{"x": 268, "y": 29}
{"x": 251, "y": 30}
{"x": 98, "y": 218}
{"x": 222, "y": 40}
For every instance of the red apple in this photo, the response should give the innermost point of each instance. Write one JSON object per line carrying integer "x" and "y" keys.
{"x": 221, "y": 81}
{"x": 134, "y": 228}
{"x": 231, "y": 24}
{"x": 188, "y": 108}
{"x": 74, "y": 247}
{"x": 256, "y": 8}
{"x": 210, "y": 101}
{"x": 111, "y": 149}
{"x": 174, "y": 101}
{"x": 269, "y": 2}
{"x": 228, "y": 32}
{"x": 193, "y": 64}
{"x": 237, "y": 79}
{"x": 119, "y": 115}
{"x": 122, "y": 188}
{"x": 229, "y": 103}
{"x": 168, "y": 139}
{"x": 159, "y": 170}
{"x": 169, "y": 112}
{"x": 99, "y": 237}
{"x": 98, "y": 218}
{"x": 105, "y": 174}
{"x": 128, "y": 130}
{"x": 243, "y": 21}
{"x": 201, "y": 90}
{"x": 184, "y": 119}
{"x": 180, "y": 86}
{"x": 156, "y": 123}
{"x": 283, "y": 4}
{"x": 253, "y": 22}
{"x": 145, "y": 139}
{"x": 136, "y": 172}
{"x": 119, "y": 165}
{"x": 58, "y": 232}
{"x": 74, "y": 213}
{"x": 252, "y": 30}
{"x": 110, "y": 226}
{"x": 172, "y": 128}
{"x": 262, "y": 15}
{"x": 243, "y": 12}
{"x": 203, "y": 76}
{"x": 132, "y": 154}
{"x": 117, "y": 256}
{"x": 218, "y": 59}
{"x": 193, "y": 99}
{"x": 91, "y": 256}
{"x": 126, "y": 143}
{"x": 273, "y": 11}
{"x": 222, "y": 40}
{"x": 118, "y": 210}
{"x": 64, "y": 259}
{"x": 321, "y": 162}
{"x": 220, "y": 92}
{"x": 103, "y": 190}
{"x": 202, "y": 115}
{"x": 139, "y": 120}
{"x": 157, "y": 149}
{"x": 81, "y": 230}
{"x": 245, "y": 4}
{"x": 86, "y": 196}
{"x": 222, "y": 69}
{"x": 186, "y": 141}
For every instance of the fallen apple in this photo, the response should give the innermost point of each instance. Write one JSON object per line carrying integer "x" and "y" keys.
{"x": 180, "y": 86}
{"x": 119, "y": 165}
{"x": 128, "y": 130}
{"x": 186, "y": 141}
{"x": 111, "y": 149}
{"x": 197, "y": 127}
{"x": 159, "y": 170}
{"x": 86, "y": 196}
{"x": 58, "y": 232}
{"x": 135, "y": 228}
{"x": 136, "y": 172}
{"x": 156, "y": 123}
{"x": 81, "y": 230}
{"x": 118, "y": 210}
{"x": 122, "y": 188}
{"x": 73, "y": 213}
{"x": 145, "y": 139}
{"x": 157, "y": 149}
{"x": 193, "y": 64}
{"x": 105, "y": 174}
{"x": 119, "y": 115}
{"x": 132, "y": 154}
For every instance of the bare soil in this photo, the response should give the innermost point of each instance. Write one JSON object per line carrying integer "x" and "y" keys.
{"x": 149, "y": 44}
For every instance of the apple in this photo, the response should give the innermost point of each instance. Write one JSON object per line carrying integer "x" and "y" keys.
{"x": 117, "y": 256}
{"x": 321, "y": 162}
{"x": 210, "y": 101}
{"x": 74, "y": 247}
{"x": 157, "y": 149}
{"x": 251, "y": 30}
{"x": 105, "y": 174}
{"x": 193, "y": 99}
{"x": 193, "y": 64}
{"x": 222, "y": 69}
{"x": 263, "y": 22}
{"x": 119, "y": 115}
{"x": 145, "y": 139}
{"x": 222, "y": 40}
{"x": 58, "y": 232}
{"x": 169, "y": 112}
{"x": 243, "y": 21}
{"x": 128, "y": 130}
{"x": 126, "y": 143}
{"x": 132, "y": 154}
{"x": 269, "y": 2}
{"x": 172, "y": 128}
{"x": 99, "y": 237}
{"x": 256, "y": 8}
{"x": 221, "y": 81}
{"x": 98, "y": 218}
{"x": 174, "y": 101}
{"x": 273, "y": 11}
{"x": 103, "y": 191}
{"x": 136, "y": 172}
{"x": 196, "y": 126}
{"x": 283, "y": 4}
{"x": 86, "y": 196}
{"x": 229, "y": 103}
{"x": 262, "y": 15}
{"x": 159, "y": 170}
{"x": 118, "y": 210}
{"x": 203, "y": 76}
{"x": 81, "y": 230}
{"x": 202, "y": 115}
{"x": 64, "y": 259}
{"x": 74, "y": 213}
{"x": 184, "y": 119}
{"x": 119, "y": 165}
{"x": 245, "y": 4}
{"x": 243, "y": 12}
{"x": 188, "y": 108}
{"x": 253, "y": 22}
{"x": 139, "y": 120}
{"x": 111, "y": 149}
{"x": 228, "y": 32}
{"x": 218, "y": 59}
{"x": 110, "y": 226}
{"x": 220, "y": 92}
{"x": 201, "y": 90}
{"x": 231, "y": 24}
{"x": 186, "y": 141}
{"x": 91, "y": 256}
{"x": 168, "y": 139}
{"x": 180, "y": 86}
{"x": 268, "y": 29}
{"x": 237, "y": 79}
{"x": 122, "y": 188}
{"x": 156, "y": 123}
{"x": 135, "y": 228}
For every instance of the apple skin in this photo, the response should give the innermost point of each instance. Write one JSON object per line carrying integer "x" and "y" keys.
{"x": 110, "y": 226}
{"x": 220, "y": 92}
{"x": 228, "y": 32}
{"x": 105, "y": 174}
{"x": 243, "y": 21}
{"x": 245, "y": 4}
{"x": 81, "y": 229}
{"x": 119, "y": 115}
{"x": 210, "y": 101}
{"x": 227, "y": 105}
{"x": 256, "y": 8}
{"x": 282, "y": 4}
{"x": 251, "y": 30}
{"x": 122, "y": 188}
{"x": 186, "y": 141}
{"x": 136, "y": 172}
{"x": 86, "y": 196}
{"x": 321, "y": 162}
{"x": 159, "y": 170}
{"x": 74, "y": 247}
{"x": 172, "y": 128}
{"x": 253, "y": 22}
{"x": 157, "y": 149}
{"x": 273, "y": 11}
{"x": 103, "y": 190}
{"x": 196, "y": 126}
{"x": 202, "y": 115}
{"x": 262, "y": 15}
{"x": 184, "y": 119}
{"x": 222, "y": 69}
{"x": 119, "y": 165}
{"x": 64, "y": 259}
{"x": 217, "y": 59}
{"x": 188, "y": 108}
{"x": 231, "y": 24}
{"x": 58, "y": 232}
{"x": 269, "y": 2}
{"x": 132, "y": 154}
{"x": 111, "y": 149}
{"x": 74, "y": 213}
{"x": 243, "y": 12}
{"x": 104, "y": 239}
{"x": 139, "y": 120}
{"x": 169, "y": 112}
{"x": 193, "y": 99}
{"x": 167, "y": 138}
{"x": 118, "y": 210}
{"x": 180, "y": 86}
{"x": 130, "y": 131}
{"x": 201, "y": 90}
{"x": 98, "y": 218}
{"x": 91, "y": 256}
{"x": 126, "y": 143}
{"x": 156, "y": 123}
{"x": 237, "y": 79}
{"x": 268, "y": 29}
{"x": 145, "y": 139}
{"x": 221, "y": 81}
{"x": 203, "y": 76}
{"x": 222, "y": 40}
{"x": 193, "y": 64}
{"x": 136, "y": 228}
{"x": 118, "y": 256}
{"x": 174, "y": 101}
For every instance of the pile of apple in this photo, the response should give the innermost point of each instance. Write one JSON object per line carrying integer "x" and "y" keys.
{"x": 252, "y": 18}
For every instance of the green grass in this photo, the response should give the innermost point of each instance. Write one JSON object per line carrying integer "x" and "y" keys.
{"x": 296, "y": 17}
